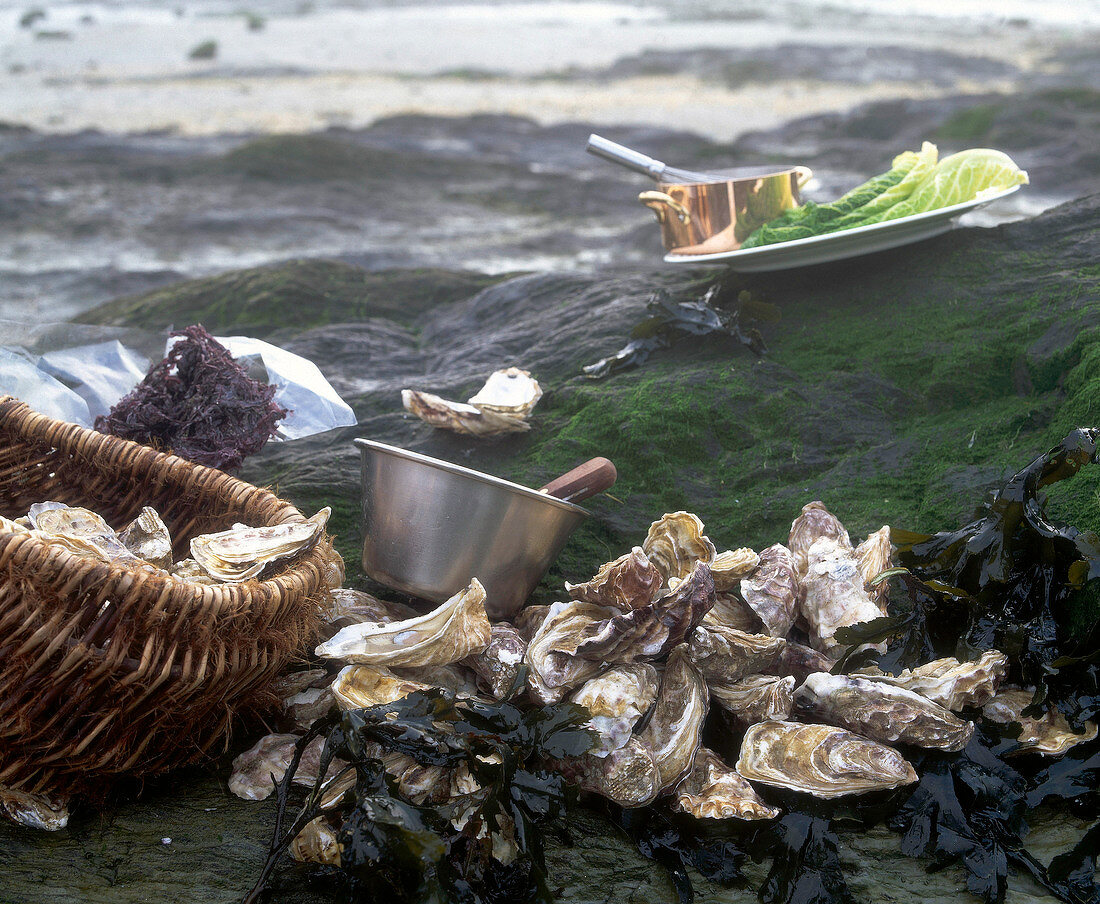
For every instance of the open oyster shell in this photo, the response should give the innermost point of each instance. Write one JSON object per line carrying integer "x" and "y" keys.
{"x": 675, "y": 728}
{"x": 360, "y": 686}
{"x": 652, "y": 630}
{"x": 1051, "y": 735}
{"x": 876, "y": 555}
{"x": 458, "y": 417}
{"x": 713, "y": 790}
{"x": 771, "y": 591}
{"x": 882, "y": 712}
{"x": 148, "y": 538}
{"x": 46, "y": 812}
{"x": 814, "y": 523}
{"x": 952, "y": 684}
{"x": 241, "y": 553}
{"x": 317, "y": 843}
{"x": 756, "y": 698}
{"x": 78, "y": 530}
{"x": 833, "y": 595}
{"x": 617, "y": 699}
{"x": 821, "y": 760}
{"x": 725, "y": 655}
{"x": 675, "y": 542}
{"x": 498, "y": 665}
{"x": 452, "y": 631}
{"x": 552, "y": 663}
{"x": 729, "y": 567}
{"x": 630, "y": 582}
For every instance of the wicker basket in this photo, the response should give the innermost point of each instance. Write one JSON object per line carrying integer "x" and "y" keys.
{"x": 108, "y": 670}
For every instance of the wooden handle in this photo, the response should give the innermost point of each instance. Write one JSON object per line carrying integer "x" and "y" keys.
{"x": 588, "y": 479}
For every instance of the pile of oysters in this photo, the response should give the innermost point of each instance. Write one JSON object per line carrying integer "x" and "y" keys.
{"x": 649, "y": 645}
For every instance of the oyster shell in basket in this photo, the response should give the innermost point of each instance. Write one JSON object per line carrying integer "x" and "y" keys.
{"x": 952, "y": 684}
{"x": 725, "y": 655}
{"x": 1052, "y": 735}
{"x": 813, "y": 524}
{"x": 552, "y": 664}
{"x": 882, "y": 712}
{"x": 821, "y": 760}
{"x": 148, "y": 538}
{"x": 756, "y": 698}
{"x": 713, "y": 790}
{"x": 833, "y": 595}
{"x": 651, "y": 631}
{"x": 241, "y": 553}
{"x": 498, "y": 665}
{"x": 675, "y": 542}
{"x": 78, "y": 530}
{"x": 676, "y": 725}
{"x": 616, "y": 700}
{"x": 452, "y": 631}
{"x": 771, "y": 591}
{"x": 630, "y": 582}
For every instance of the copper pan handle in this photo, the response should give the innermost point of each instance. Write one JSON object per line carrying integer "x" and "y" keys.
{"x": 658, "y": 200}
{"x": 803, "y": 174}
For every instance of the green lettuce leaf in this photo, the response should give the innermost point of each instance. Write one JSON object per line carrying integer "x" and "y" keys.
{"x": 965, "y": 176}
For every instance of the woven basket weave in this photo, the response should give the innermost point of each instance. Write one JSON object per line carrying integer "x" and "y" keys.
{"x": 108, "y": 670}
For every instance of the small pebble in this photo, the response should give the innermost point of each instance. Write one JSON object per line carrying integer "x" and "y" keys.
{"x": 166, "y": 841}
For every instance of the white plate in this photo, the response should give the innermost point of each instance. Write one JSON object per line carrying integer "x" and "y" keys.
{"x": 836, "y": 246}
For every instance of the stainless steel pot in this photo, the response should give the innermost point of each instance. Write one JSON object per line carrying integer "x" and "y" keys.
{"x": 429, "y": 526}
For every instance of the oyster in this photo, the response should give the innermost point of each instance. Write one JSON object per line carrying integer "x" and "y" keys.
{"x": 452, "y": 631}
{"x": 876, "y": 555}
{"x": 1051, "y": 735}
{"x": 653, "y": 630}
{"x": 528, "y": 620}
{"x": 833, "y": 595}
{"x": 712, "y": 790}
{"x": 241, "y": 553}
{"x": 952, "y": 684}
{"x": 307, "y": 706}
{"x": 292, "y": 683}
{"x": 343, "y": 606}
{"x": 756, "y": 698}
{"x": 148, "y": 538}
{"x": 334, "y": 571}
{"x": 417, "y": 782}
{"x": 730, "y": 611}
{"x": 821, "y": 760}
{"x": 360, "y": 686}
{"x": 882, "y": 712}
{"x": 498, "y": 665}
{"x": 453, "y": 678}
{"x": 13, "y": 527}
{"x": 510, "y": 391}
{"x": 676, "y": 726}
{"x": 256, "y": 771}
{"x": 729, "y": 567}
{"x": 467, "y": 419}
{"x": 316, "y": 843}
{"x": 814, "y": 523}
{"x": 800, "y": 661}
{"x": 617, "y": 699}
{"x": 553, "y": 666}
{"x": 630, "y": 582}
{"x": 189, "y": 570}
{"x": 47, "y": 812}
{"x": 676, "y": 542}
{"x": 725, "y": 655}
{"x": 79, "y": 530}
{"x": 628, "y": 775}
{"x": 772, "y": 590}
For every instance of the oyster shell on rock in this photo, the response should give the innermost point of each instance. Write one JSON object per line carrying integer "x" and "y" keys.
{"x": 725, "y": 655}
{"x": 876, "y": 555}
{"x": 630, "y": 582}
{"x": 628, "y": 775}
{"x": 528, "y": 620}
{"x": 498, "y": 665}
{"x": 771, "y": 591}
{"x": 552, "y": 664}
{"x": 882, "y": 712}
{"x": 616, "y": 700}
{"x": 674, "y": 729}
{"x": 46, "y": 812}
{"x": 676, "y": 542}
{"x": 147, "y": 537}
{"x": 821, "y": 760}
{"x": 729, "y": 567}
{"x": 952, "y": 684}
{"x": 361, "y": 686}
{"x": 241, "y": 553}
{"x": 833, "y": 595}
{"x": 452, "y": 631}
{"x": 1052, "y": 735}
{"x": 730, "y": 611}
{"x": 756, "y": 698}
{"x": 800, "y": 661}
{"x": 814, "y": 523}
{"x": 713, "y": 790}
{"x": 317, "y": 843}
{"x": 459, "y": 417}
{"x": 652, "y": 630}
{"x": 509, "y": 391}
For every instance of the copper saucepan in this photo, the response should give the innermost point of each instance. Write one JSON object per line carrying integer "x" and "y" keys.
{"x": 706, "y": 213}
